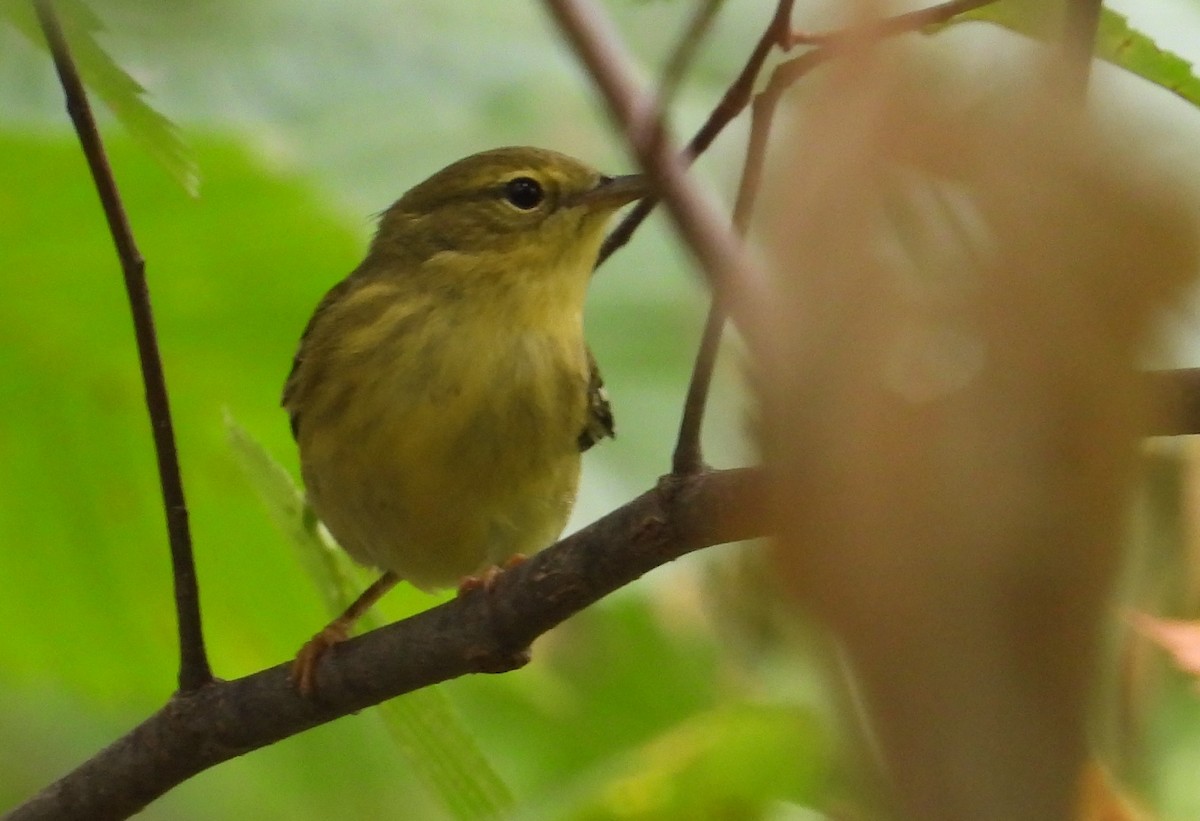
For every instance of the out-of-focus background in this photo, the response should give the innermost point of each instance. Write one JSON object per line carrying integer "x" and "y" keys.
{"x": 668, "y": 700}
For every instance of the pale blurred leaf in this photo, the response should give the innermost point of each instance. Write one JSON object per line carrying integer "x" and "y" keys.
{"x": 123, "y": 95}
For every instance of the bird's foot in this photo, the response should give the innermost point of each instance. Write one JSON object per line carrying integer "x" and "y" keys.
{"x": 487, "y": 579}
{"x": 304, "y": 667}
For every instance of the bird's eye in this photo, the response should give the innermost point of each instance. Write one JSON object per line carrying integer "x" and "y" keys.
{"x": 524, "y": 192}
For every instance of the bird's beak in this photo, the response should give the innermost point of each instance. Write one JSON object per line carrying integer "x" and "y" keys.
{"x": 613, "y": 192}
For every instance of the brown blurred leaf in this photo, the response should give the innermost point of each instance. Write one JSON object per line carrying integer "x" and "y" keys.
{"x": 951, "y": 412}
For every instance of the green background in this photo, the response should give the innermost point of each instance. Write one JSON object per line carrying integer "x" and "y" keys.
{"x": 305, "y": 119}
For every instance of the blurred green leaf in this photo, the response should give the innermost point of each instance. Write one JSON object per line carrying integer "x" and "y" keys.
{"x": 1116, "y": 42}
{"x": 736, "y": 761}
{"x": 290, "y": 512}
{"x": 1122, "y": 45}
{"x": 123, "y": 95}
{"x": 424, "y": 724}
{"x": 84, "y": 565}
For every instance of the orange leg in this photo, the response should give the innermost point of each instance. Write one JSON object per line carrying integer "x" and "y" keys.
{"x": 487, "y": 580}
{"x": 304, "y": 668}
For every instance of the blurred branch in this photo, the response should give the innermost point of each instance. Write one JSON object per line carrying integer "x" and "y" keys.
{"x": 737, "y": 96}
{"x": 475, "y": 633}
{"x": 889, "y": 26}
{"x": 685, "y": 50}
{"x": 194, "y": 671}
{"x": 1079, "y": 40}
{"x": 689, "y": 456}
{"x": 601, "y": 58}
{"x": 734, "y": 278}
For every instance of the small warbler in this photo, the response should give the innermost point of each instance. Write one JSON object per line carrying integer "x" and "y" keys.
{"x": 443, "y": 392}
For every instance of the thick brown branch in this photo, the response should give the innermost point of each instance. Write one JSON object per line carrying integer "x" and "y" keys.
{"x": 194, "y": 671}
{"x": 479, "y": 632}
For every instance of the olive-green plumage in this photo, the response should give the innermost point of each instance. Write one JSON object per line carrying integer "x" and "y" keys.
{"x": 443, "y": 391}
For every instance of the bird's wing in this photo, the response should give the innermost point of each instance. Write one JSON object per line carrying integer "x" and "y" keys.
{"x": 599, "y": 422}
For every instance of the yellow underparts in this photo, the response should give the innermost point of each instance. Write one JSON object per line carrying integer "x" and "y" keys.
{"x": 441, "y": 436}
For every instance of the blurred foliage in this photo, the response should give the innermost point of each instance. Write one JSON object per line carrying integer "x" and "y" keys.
{"x": 1117, "y": 42}
{"x": 305, "y": 119}
{"x": 437, "y": 747}
{"x": 123, "y": 95}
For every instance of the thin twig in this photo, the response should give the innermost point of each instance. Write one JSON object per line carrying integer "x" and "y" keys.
{"x": 685, "y": 51}
{"x": 732, "y": 275}
{"x": 737, "y": 96}
{"x": 739, "y": 93}
{"x": 194, "y": 671}
{"x": 689, "y": 455}
{"x": 473, "y": 633}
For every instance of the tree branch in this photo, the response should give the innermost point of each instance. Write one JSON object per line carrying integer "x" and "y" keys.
{"x": 1079, "y": 40}
{"x": 733, "y": 277}
{"x": 194, "y": 671}
{"x": 689, "y": 455}
{"x": 477, "y": 633}
{"x": 685, "y": 50}
{"x": 203, "y": 726}
{"x": 737, "y": 96}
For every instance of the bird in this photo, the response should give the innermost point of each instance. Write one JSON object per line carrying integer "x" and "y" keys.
{"x": 443, "y": 392}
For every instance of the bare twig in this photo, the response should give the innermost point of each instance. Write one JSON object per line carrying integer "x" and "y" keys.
{"x": 732, "y": 276}
{"x": 194, "y": 670}
{"x": 688, "y": 456}
{"x": 685, "y": 50}
{"x": 740, "y": 91}
{"x": 471, "y": 634}
{"x": 737, "y": 96}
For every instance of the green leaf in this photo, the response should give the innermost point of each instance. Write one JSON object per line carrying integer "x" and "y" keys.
{"x": 735, "y": 761}
{"x": 123, "y": 95}
{"x": 424, "y": 724}
{"x": 1116, "y": 42}
{"x": 429, "y": 731}
{"x": 290, "y": 512}
{"x": 1122, "y": 45}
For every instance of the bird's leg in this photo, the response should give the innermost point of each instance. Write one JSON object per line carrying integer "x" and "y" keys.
{"x": 304, "y": 668}
{"x": 487, "y": 579}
